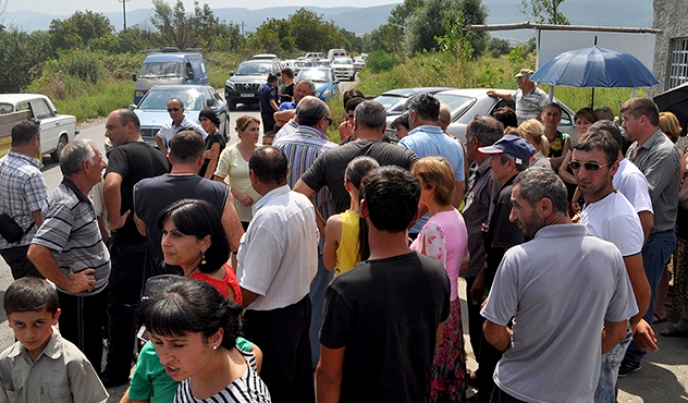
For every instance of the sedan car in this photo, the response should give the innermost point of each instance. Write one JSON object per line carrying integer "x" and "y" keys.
{"x": 152, "y": 110}
{"x": 327, "y": 86}
{"x": 344, "y": 67}
{"x": 396, "y": 101}
{"x": 359, "y": 64}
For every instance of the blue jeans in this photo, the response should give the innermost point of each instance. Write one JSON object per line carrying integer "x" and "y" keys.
{"x": 656, "y": 254}
{"x": 609, "y": 372}
{"x": 317, "y": 293}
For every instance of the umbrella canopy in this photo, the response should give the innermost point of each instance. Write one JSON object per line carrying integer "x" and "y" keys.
{"x": 675, "y": 101}
{"x": 595, "y": 67}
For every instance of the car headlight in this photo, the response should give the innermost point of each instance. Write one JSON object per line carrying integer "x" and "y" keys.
{"x": 139, "y": 93}
{"x": 229, "y": 85}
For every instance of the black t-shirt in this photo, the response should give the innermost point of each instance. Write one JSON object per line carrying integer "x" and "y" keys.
{"x": 287, "y": 93}
{"x": 328, "y": 169}
{"x": 153, "y": 195}
{"x": 134, "y": 161}
{"x": 216, "y": 137}
{"x": 386, "y": 312}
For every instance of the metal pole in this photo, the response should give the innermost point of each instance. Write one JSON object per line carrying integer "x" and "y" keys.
{"x": 124, "y": 13}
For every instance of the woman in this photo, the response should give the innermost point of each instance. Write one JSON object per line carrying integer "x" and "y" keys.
{"x": 506, "y": 116}
{"x": 445, "y": 237}
{"x": 214, "y": 143}
{"x": 531, "y": 130}
{"x": 194, "y": 330}
{"x": 234, "y": 164}
{"x": 583, "y": 119}
{"x": 559, "y": 143}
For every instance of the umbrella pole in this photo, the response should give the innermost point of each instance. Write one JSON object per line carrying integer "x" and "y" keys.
{"x": 635, "y": 92}
{"x": 551, "y": 93}
{"x": 592, "y": 100}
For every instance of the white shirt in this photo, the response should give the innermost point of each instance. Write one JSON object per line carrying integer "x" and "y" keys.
{"x": 278, "y": 255}
{"x": 168, "y": 130}
{"x": 630, "y": 181}
{"x": 615, "y": 220}
{"x": 539, "y": 160}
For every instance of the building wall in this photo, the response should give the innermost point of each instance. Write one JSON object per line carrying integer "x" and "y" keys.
{"x": 671, "y": 17}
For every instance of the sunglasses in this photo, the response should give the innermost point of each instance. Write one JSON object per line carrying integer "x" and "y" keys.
{"x": 172, "y": 109}
{"x": 589, "y": 166}
{"x": 329, "y": 120}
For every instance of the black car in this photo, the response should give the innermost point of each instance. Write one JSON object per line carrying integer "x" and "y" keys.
{"x": 243, "y": 85}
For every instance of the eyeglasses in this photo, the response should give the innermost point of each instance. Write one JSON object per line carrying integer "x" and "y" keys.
{"x": 172, "y": 109}
{"x": 589, "y": 166}
{"x": 329, "y": 120}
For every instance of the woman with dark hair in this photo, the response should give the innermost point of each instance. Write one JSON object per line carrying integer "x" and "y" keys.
{"x": 214, "y": 143}
{"x": 507, "y": 116}
{"x": 583, "y": 119}
{"x": 194, "y": 330}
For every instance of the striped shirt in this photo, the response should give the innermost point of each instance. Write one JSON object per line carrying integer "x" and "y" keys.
{"x": 70, "y": 231}
{"x": 302, "y": 149}
{"x": 660, "y": 161}
{"x": 247, "y": 389}
{"x": 23, "y": 192}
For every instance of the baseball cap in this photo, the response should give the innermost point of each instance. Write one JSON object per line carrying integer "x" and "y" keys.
{"x": 514, "y": 145}
{"x": 525, "y": 73}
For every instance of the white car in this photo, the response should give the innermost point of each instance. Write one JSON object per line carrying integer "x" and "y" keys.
{"x": 344, "y": 67}
{"x": 56, "y": 130}
{"x": 359, "y": 64}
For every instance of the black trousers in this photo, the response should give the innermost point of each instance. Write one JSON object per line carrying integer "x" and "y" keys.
{"x": 475, "y": 321}
{"x": 20, "y": 265}
{"x": 82, "y": 321}
{"x": 487, "y": 362}
{"x": 124, "y": 291}
{"x": 268, "y": 122}
{"x": 282, "y": 334}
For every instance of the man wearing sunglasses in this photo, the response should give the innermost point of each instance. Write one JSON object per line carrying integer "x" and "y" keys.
{"x": 179, "y": 122}
{"x": 610, "y": 216}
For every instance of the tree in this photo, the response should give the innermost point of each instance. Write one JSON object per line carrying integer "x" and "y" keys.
{"x": 386, "y": 37}
{"x": 77, "y": 31}
{"x": 543, "y": 11}
{"x": 473, "y": 12}
{"x": 424, "y": 25}
{"x": 21, "y": 56}
{"x": 400, "y": 14}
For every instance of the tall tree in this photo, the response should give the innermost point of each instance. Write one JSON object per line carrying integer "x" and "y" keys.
{"x": 543, "y": 11}
{"x": 78, "y": 30}
{"x": 21, "y": 58}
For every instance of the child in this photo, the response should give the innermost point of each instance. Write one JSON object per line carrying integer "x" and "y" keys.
{"x": 41, "y": 365}
{"x": 345, "y": 244}
{"x": 268, "y": 138}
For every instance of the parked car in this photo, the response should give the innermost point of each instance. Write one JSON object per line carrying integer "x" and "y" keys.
{"x": 396, "y": 101}
{"x": 314, "y": 55}
{"x": 242, "y": 87}
{"x": 152, "y": 110}
{"x": 170, "y": 66}
{"x": 359, "y": 63}
{"x": 56, "y": 130}
{"x": 327, "y": 86}
{"x": 344, "y": 67}
{"x": 322, "y": 63}
{"x": 302, "y": 64}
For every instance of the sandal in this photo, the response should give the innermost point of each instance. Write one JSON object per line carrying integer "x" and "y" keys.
{"x": 672, "y": 331}
{"x": 657, "y": 319}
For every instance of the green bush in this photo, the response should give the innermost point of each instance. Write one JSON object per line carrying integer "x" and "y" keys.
{"x": 380, "y": 60}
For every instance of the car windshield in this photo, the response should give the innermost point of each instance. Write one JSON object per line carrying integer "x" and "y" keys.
{"x": 162, "y": 69}
{"x": 342, "y": 61}
{"x": 458, "y": 104}
{"x": 318, "y": 76}
{"x": 391, "y": 102}
{"x": 6, "y": 108}
{"x": 253, "y": 69}
{"x": 157, "y": 99}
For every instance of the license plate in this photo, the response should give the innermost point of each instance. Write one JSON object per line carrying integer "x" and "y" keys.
{"x": 246, "y": 95}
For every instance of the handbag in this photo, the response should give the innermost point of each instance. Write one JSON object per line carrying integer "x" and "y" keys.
{"x": 10, "y": 230}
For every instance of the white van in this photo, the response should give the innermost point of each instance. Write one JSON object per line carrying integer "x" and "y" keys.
{"x": 335, "y": 53}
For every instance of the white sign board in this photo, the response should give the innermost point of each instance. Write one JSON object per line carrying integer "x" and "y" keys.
{"x": 553, "y": 42}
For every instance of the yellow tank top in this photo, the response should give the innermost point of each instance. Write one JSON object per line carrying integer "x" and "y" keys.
{"x": 347, "y": 252}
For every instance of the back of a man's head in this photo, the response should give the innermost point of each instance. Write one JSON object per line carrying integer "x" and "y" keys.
{"x": 311, "y": 110}
{"x": 426, "y": 106}
{"x": 186, "y": 146}
{"x": 269, "y": 164}
{"x": 23, "y": 132}
{"x": 371, "y": 114}
{"x": 353, "y": 103}
{"x": 127, "y": 116}
{"x": 391, "y": 195}
{"x": 611, "y": 128}
{"x": 487, "y": 129}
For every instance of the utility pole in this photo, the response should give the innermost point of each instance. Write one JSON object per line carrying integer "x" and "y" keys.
{"x": 124, "y": 13}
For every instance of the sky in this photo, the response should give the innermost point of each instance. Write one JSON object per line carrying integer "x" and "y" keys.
{"x": 68, "y": 7}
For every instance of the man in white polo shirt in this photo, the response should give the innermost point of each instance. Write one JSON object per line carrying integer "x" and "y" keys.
{"x": 179, "y": 122}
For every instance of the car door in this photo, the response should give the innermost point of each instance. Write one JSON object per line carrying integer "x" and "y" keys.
{"x": 50, "y": 124}
{"x": 217, "y": 104}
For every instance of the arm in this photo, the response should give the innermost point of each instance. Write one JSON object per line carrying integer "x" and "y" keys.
{"x": 644, "y": 336}
{"x": 259, "y": 357}
{"x": 113, "y": 200}
{"x": 563, "y": 173}
{"x": 342, "y": 131}
{"x": 218, "y": 179}
{"x": 284, "y": 116}
{"x": 612, "y": 334}
{"x": 44, "y": 261}
{"x": 126, "y": 399}
{"x": 248, "y": 297}
{"x": 231, "y": 224}
{"x": 140, "y": 225}
{"x": 647, "y": 221}
{"x": 459, "y": 189}
{"x": 161, "y": 144}
{"x": 332, "y": 238}
{"x": 558, "y": 161}
{"x": 329, "y": 374}
{"x": 498, "y": 336}
{"x": 438, "y": 334}
{"x": 274, "y": 105}
{"x": 243, "y": 198}
{"x": 499, "y": 94}
{"x": 306, "y": 190}
{"x": 641, "y": 287}
{"x": 37, "y": 218}
{"x": 212, "y": 155}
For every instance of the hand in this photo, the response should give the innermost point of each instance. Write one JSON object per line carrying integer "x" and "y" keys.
{"x": 82, "y": 281}
{"x": 491, "y": 93}
{"x": 118, "y": 222}
{"x": 478, "y": 288}
{"x": 246, "y": 200}
{"x": 211, "y": 154}
{"x": 644, "y": 336}
{"x": 464, "y": 267}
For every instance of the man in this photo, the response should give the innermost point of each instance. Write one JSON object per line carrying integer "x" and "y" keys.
{"x": 131, "y": 160}
{"x": 286, "y": 116}
{"x": 277, "y": 261}
{"x": 426, "y": 139}
{"x": 24, "y": 194}
{"x": 659, "y": 160}
{"x": 328, "y": 169}
{"x": 377, "y": 344}
{"x": 302, "y": 149}
{"x": 68, "y": 250}
{"x": 608, "y": 215}
{"x": 549, "y": 290}
{"x": 152, "y": 195}
{"x": 287, "y": 92}
{"x": 267, "y": 100}
{"x": 179, "y": 122}
{"x": 529, "y": 99}
{"x": 510, "y": 155}
{"x": 482, "y": 131}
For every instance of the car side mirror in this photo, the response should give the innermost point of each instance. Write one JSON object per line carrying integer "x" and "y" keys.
{"x": 133, "y": 77}
{"x": 231, "y": 73}
{"x": 132, "y": 106}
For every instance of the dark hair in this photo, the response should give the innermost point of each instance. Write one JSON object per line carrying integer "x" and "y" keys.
{"x": 272, "y": 78}
{"x": 642, "y": 107}
{"x": 186, "y": 146}
{"x": 586, "y": 113}
{"x": 401, "y": 120}
{"x": 426, "y": 106}
{"x": 191, "y": 306}
{"x": 604, "y": 113}
{"x": 598, "y": 139}
{"x": 127, "y": 116}
{"x": 350, "y": 94}
{"x": 199, "y": 218}
{"x": 613, "y": 130}
{"x": 270, "y": 133}
{"x": 391, "y": 195}
{"x": 504, "y": 157}
{"x": 487, "y": 129}
{"x": 355, "y": 172}
{"x": 311, "y": 110}
{"x": 210, "y": 115}
{"x": 288, "y": 72}
{"x": 269, "y": 164}
{"x": 555, "y": 106}
{"x": 506, "y": 116}
{"x": 538, "y": 183}
{"x": 30, "y": 294}
{"x": 23, "y": 132}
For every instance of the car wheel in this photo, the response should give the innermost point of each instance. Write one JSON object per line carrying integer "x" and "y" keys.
{"x": 353, "y": 77}
{"x": 231, "y": 105}
{"x": 61, "y": 143}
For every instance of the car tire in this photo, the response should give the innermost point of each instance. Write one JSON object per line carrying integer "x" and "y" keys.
{"x": 61, "y": 143}
{"x": 353, "y": 77}
{"x": 231, "y": 105}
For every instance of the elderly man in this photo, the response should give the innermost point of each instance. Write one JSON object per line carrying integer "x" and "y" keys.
{"x": 544, "y": 359}
{"x": 529, "y": 99}
{"x": 277, "y": 261}
{"x": 24, "y": 195}
{"x": 179, "y": 122}
{"x": 285, "y": 117}
{"x": 68, "y": 250}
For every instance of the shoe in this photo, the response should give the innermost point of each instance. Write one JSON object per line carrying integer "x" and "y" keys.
{"x": 657, "y": 319}
{"x": 627, "y": 368}
{"x": 672, "y": 331}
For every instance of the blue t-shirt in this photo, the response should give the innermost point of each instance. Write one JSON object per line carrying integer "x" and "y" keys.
{"x": 287, "y": 105}
{"x": 265, "y": 94}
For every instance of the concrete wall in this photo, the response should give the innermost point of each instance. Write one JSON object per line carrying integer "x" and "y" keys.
{"x": 670, "y": 16}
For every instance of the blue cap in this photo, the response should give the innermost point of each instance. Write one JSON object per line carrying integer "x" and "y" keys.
{"x": 514, "y": 145}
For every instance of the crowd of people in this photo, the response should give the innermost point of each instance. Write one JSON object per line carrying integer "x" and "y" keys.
{"x": 300, "y": 270}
